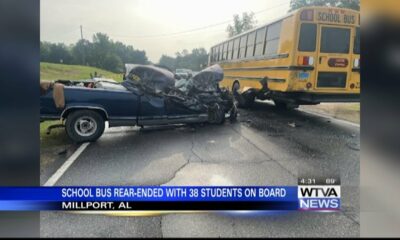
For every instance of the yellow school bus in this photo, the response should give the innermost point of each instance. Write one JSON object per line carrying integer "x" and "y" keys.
{"x": 309, "y": 56}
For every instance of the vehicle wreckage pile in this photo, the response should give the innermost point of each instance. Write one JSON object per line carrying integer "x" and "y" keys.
{"x": 201, "y": 93}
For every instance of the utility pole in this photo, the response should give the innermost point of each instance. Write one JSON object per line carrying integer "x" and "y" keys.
{"x": 81, "y": 33}
{"x": 83, "y": 53}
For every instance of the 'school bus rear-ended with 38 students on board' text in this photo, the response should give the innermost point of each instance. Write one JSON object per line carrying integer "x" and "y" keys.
{"x": 309, "y": 56}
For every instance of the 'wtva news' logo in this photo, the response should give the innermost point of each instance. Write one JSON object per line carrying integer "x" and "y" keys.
{"x": 319, "y": 197}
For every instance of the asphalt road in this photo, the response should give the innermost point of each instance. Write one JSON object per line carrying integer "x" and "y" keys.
{"x": 264, "y": 147}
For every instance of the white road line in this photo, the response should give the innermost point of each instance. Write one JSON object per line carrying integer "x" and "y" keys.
{"x": 57, "y": 175}
{"x": 330, "y": 117}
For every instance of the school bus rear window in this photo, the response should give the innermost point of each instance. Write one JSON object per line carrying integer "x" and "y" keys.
{"x": 308, "y": 35}
{"x": 335, "y": 40}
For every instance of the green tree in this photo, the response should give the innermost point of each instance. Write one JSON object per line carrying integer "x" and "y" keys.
{"x": 246, "y": 22}
{"x": 58, "y": 53}
{"x": 167, "y": 61}
{"x": 102, "y": 52}
{"x": 199, "y": 58}
{"x": 129, "y": 55}
{"x": 351, "y": 4}
{"x": 113, "y": 62}
{"x": 101, "y": 49}
{"x": 195, "y": 60}
{"x": 111, "y": 56}
{"x": 81, "y": 52}
{"x": 44, "y": 51}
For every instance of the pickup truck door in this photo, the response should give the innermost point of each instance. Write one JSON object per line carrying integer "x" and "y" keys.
{"x": 151, "y": 109}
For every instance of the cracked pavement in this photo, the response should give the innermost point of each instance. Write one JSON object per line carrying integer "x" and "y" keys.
{"x": 261, "y": 148}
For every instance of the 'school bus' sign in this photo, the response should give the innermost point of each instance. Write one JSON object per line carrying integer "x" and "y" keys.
{"x": 335, "y": 16}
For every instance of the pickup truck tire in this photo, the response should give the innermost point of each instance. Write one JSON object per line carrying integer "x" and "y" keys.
{"x": 84, "y": 125}
{"x": 216, "y": 114}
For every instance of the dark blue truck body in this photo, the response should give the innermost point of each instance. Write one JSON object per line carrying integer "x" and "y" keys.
{"x": 119, "y": 107}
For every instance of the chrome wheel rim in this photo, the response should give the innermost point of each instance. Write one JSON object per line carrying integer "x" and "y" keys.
{"x": 85, "y": 126}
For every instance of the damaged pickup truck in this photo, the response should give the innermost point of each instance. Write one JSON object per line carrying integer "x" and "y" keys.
{"x": 149, "y": 95}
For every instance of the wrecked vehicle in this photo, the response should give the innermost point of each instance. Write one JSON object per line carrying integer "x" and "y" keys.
{"x": 184, "y": 73}
{"x": 149, "y": 95}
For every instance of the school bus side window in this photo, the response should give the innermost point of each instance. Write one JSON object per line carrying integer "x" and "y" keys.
{"x": 242, "y": 50}
{"x": 260, "y": 42}
{"x": 236, "y": 48}
{"x": 250, "y": 44}
{"x": 225, "y": 51}
{"x": 230, "y": 49}
{"x": 220, "y": 52}
{"x": 308, "y": 37}
{"x": 273, "y": 35}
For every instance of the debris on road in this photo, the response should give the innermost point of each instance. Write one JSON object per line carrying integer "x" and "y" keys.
{"x": 63, "y": 152}
{"x": 354, "y": 146}
{"x": 293, "y": 124}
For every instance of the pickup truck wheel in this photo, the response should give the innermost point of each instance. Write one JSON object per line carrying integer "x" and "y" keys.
{"x": 84, "y": 126}
{"x": 216, "y": 114}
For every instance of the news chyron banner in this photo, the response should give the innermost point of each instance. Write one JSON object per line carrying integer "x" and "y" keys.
{"x": 312, "y": 194}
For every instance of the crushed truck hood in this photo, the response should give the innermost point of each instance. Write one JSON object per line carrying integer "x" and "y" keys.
{"x": 199, "y": 93}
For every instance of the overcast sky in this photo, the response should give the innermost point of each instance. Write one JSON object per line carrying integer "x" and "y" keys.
{"x": 155, "y": 26}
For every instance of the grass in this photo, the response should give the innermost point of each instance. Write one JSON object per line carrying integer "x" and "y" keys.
{"x": 57, "y": 137}
{"x": 54, "y": 71}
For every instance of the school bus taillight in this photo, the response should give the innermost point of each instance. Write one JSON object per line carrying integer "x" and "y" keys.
{"x": 305, "y": 61}
{"x": 356, "y": 63}
{"x": 307, "y": 15}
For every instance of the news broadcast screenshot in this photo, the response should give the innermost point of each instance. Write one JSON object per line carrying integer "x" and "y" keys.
{"x": 199, "y": 119}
